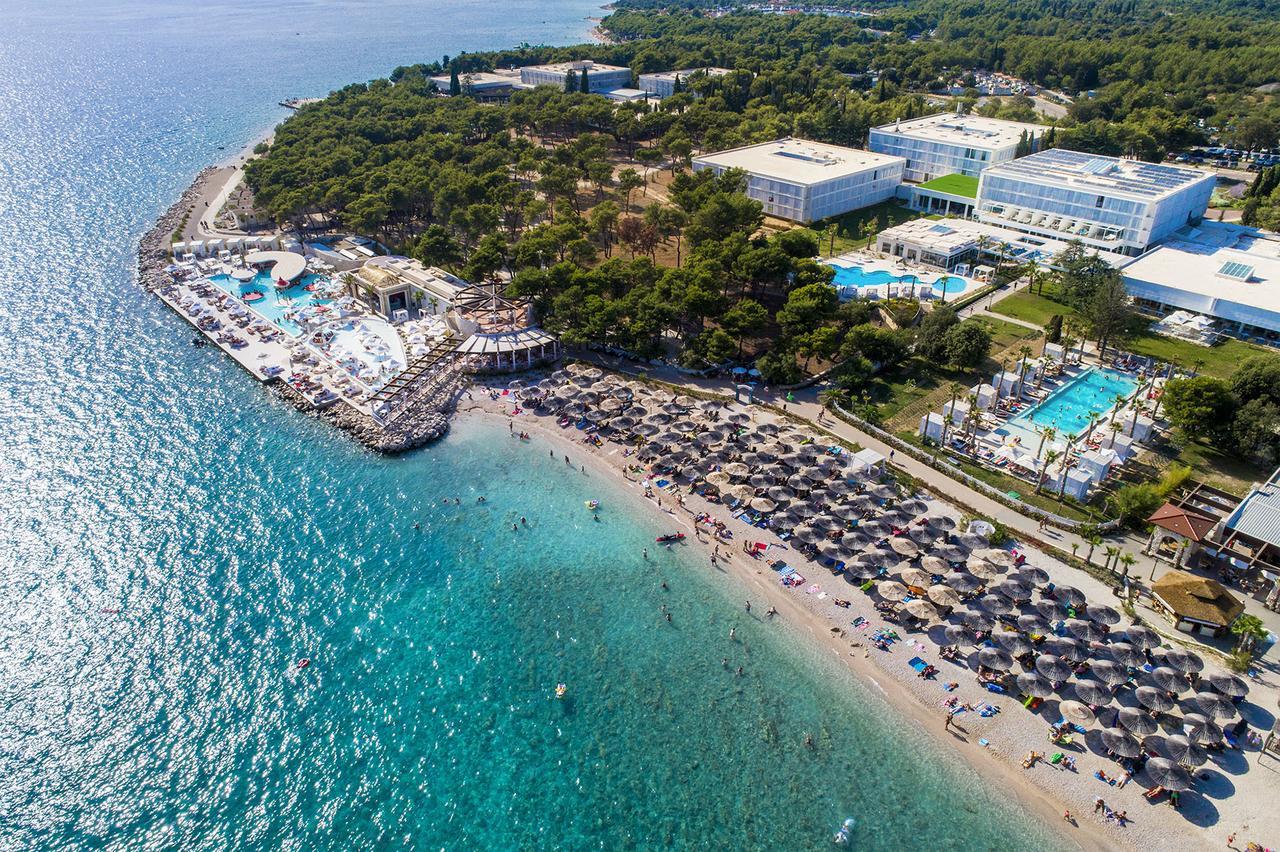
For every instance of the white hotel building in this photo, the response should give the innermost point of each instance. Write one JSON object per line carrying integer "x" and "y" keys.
{"x": 1121, "y": 206}
{"x": 663, "y": 83}
{"x": 946, "y": 144}
{"x": 600, "y": 78}
{"x": 806, "y": 181}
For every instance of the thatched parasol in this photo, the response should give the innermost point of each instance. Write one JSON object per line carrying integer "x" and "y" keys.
{"x": 1034, "y": 685}
{"x": 891, "y": 590}
{"x": 958, "y": 634}
{"x": 995, "y": 604}
{"x": 1125, "y": 654}
{"x": 994, "y": 658}
{"x": 922, "y": 610}
{"x": 1093, "y": 692}
{"x": 1121, "y": 742}
{"x": 1137, "y": 721}
{"x": 1167, "y": 774}
{"x": 1014, "y": 643}
{"x": 1215, "y": 705}
{"x": 1077, "y": 712}
{"x": 1154, "y": 698}
{"x": 1180, "y": 749}
{"x": 1054, "y": 668}
{"x": 904, "y": 546}
{"x": 1228, "y": 684}
{"x": 1109, "y": 672}
{"x": 943, "y": 595}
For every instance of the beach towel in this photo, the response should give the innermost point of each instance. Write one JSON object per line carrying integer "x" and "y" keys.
{"x": 917, "y": 664}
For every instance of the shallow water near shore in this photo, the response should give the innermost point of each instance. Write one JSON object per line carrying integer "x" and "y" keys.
{"x": 176, "y": 540}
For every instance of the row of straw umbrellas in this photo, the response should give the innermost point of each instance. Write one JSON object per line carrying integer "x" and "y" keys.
{"x": 1010, "y": 614}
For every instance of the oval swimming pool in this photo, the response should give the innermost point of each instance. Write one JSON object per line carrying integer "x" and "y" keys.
{"x": 855, "y": 276}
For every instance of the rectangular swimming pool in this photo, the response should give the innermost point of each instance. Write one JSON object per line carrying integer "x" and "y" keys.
{"x": 856, "y": 277}
{"x": 1069, "y": 408}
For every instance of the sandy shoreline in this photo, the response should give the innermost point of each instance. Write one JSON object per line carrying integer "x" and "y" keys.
{"x": 917, "y": 701}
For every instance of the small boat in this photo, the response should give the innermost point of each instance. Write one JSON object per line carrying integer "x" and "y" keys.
{"x": 303, "y": 663}
{"x": 669, "y": 537}
{"x": 592, "y": 504}
{"x": 843, "y": 835}
{"x": 561, "y": 689}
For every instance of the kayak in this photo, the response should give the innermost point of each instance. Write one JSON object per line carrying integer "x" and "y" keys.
{"x": 663, "y": 539}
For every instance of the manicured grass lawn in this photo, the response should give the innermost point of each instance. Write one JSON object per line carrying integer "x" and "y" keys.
{"x": 954, "y": 185}
{"x": 1220, "y": 360}
{"x": 1029, "y": 307}
{"x": 849, "y": 226}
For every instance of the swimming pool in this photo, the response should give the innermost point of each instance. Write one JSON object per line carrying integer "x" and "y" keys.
{"x": 275, "y": 304}
{"x": 1069, "y": 408}
{"x": 856, "y": 277}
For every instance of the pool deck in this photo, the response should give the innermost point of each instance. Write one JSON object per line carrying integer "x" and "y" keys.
{"x": 868, "y": 263}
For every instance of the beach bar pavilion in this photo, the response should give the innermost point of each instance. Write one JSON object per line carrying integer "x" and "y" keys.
{"x": 1195, "y": 604}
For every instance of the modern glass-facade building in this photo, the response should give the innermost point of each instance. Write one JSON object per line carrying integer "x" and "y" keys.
{"x": 1122, "y": 206}
{"x": 806, "y": 181}
{"x": 946, "y": 144}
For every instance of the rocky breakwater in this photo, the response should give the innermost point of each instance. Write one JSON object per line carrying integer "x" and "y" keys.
{"x": 153, "y": 248}
{"x": 423, "y": 421}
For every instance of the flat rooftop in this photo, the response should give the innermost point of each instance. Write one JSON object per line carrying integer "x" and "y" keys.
{"x": 575, "y": 65}
{"x": 685, "y": 73}
{"x": 798, "y": 161}
{"x": 480, "y": 79}
{"x": 1217, "y": 261}
{"x": 973, "y": 131}
{"x": 949, "y": 236}
{"x": 1103, "y": 175}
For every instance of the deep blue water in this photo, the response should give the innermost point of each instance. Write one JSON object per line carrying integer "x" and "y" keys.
{"x": 174, "y": 540}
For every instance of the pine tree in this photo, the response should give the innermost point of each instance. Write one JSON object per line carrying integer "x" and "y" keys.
{"x": 676, "y": 86}
{"x": 571, "y": 81}
{"x": 586, "y": 83}
{"x": 455, "y": 85}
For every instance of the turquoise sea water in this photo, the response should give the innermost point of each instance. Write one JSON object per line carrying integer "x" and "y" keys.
{"x": 175, "y": 540}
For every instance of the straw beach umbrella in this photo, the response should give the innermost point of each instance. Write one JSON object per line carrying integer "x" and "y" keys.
{"x": 941, "y": 522}
{"x": 1137, "y": 721}
{"x": 1034, "y": 685}
{"x": 1183, "y": 661}
{"x": 943, "y": 595}
{"x": 904, "y": 547}
{"x": 1102, "y": 614}
{"x": 1066, "y": 647}
{"x": 1167, "y": 774}
{"x": 891, "y": 590}
{"x": 1168, "y": 679}
{"x": 922, "y": 610}
{"x": 1014, "y": 643}
{"x": 1215, "y": 705}
{"x": 995, "y": 604}
{"x": 1180, "y": 749}
{"x": 962, "y": 582}
{"x": 1109, "y": 672}
{"x": 1125, "y": 654}
{"x": 958, "y": 634}
{"x": 1086, "y": 630}
{"x": 1033, "y": 623}
{"x": 1092, "y": 692}
{"x": 1054, "y": 668}
{"x": 1121, "y": 742}
{"x": 994, "y": 658}
{"x": 1077, "y": 712}
{"x": 1156, "y": 699}
{"x": 1141, "y": 637}
{"x": 1228, "y": 684}
{"x": 979, "y": 620}
{"x": 915, "y": 577}
{"x": 1069, "y": 595}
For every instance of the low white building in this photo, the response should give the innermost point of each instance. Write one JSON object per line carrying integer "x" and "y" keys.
{"x": 806, "y": 181}
{"x": 483, "y": 85}
{"x": 1226, "y": 272}
{"x": 663, "y": 83}
{"x": 627, "y": 95}
{"x": 600, "y": 78}
{"x": 1121, "y": 206}
{"x": 950, "y": 243}
{"x": 946, "y": 144}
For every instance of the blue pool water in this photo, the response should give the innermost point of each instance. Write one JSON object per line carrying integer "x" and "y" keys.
{"x": 175, "y": 538}
{"x": 276, "y": 303}
{"x": 855, "y": 277}
{"x": 1069, "y": 408}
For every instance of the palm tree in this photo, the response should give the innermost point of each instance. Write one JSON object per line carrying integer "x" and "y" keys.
{"x": 1127, "y": 560}
{"x": 1049, "y": 458}
{"x": 1116, "y": 429}
{"x": 955, "y": 390}
{"x": 972, "y": 417}
{"x": 1032, "y": 269}
{"x": 830, "y": 397}
{"x": 1119, "y": 400}
{"x": 1138, "y": 409}
{"x": 1250, "y": 630}
{"x": 1062, "y": 468}
{"x": 1046, "y": 434}
{"x": 1111, "y": 552}
{"x": 1026, "y": 352}
{"x": 1094, "y": 541}
{"x": 1074, "y": 547}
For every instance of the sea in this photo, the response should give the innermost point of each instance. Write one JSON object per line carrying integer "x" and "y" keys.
{"x": 174, "y": 540}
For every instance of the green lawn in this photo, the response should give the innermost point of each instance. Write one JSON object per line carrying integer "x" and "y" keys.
{"x": 953, "y": 185}
{"x": 847, "y": 229}
{"x": 1220, "y": 360}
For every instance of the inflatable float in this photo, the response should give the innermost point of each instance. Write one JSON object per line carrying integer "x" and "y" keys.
{"x": 669, "y": 537}
{"x": 592, "y": 504}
